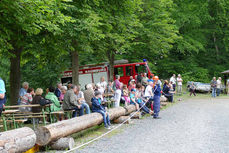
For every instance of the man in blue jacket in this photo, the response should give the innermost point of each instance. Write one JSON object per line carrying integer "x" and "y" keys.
{"x": 2, "y": 95}
{"x": 157, "y": 95}
{"x": 97, "y": 107}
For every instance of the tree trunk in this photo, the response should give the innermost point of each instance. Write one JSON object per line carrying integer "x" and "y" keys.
{"x": 63, "y": 144}
{"x": 111, "y": 58}
{"x": 122, "y": 119}
{"x": 216, "y": 47}
{"x": 136, "y": 116}
{"x": 61, "y": 129}
{"x": 18, "y": 140}
{"x": 75, "y": 67}
{"x": 15, "y": 76}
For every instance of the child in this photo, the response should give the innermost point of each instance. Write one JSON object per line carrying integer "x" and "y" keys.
{"x": 126, "y": 95}
{"x": 97, "y": 107}
{"x": 133, "y": 100}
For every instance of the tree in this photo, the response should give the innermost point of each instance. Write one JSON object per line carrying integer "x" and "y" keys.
{"x": 118, "y": 24}
{"x": 80, "y": 34}
{"x": 20, "y": 21}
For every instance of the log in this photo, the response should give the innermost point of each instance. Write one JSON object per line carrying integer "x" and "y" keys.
{"x": 53, "y": 132}
{"x": 63, "y": 144}
{"x": 122, "y": 119}
{"x": 138, "y": 115}
{"x": 164, "y": 103}
{"x": 18, "y": 140}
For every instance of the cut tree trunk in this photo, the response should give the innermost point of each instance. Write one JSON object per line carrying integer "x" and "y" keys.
{"x": 15, "y": 75}
{"x": 63, "y": 144}
{"x": 136, "y": 116}
{"x": 18, "y": 140}
{"x": 122, "y": 119}
{"x": 61, "y": 129}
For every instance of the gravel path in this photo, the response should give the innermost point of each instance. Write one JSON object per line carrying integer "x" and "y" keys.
{"x": 194, "y": 126}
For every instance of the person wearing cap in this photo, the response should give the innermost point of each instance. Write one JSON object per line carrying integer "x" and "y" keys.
{"x": 157, "y": 95}
{"x": 97, "y": 107}
{"x": 133, "y": 99}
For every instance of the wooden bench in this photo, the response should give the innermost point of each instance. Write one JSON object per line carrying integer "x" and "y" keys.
{"x": 12, "y": 115}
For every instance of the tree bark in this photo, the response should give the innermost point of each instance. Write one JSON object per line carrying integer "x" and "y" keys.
{"x": 63, "y": 144}
{"x": 136, "y": 116}
{"x": 111, "y": 58}
{"x": 15, "y": 75}
{"x": 75, "y": 66}
{"x": 61, "y": 129}
{"x": 216, "y": 47}
{"x": 18, "y": 140}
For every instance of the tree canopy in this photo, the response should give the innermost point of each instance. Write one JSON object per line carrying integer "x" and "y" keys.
{"x": 39, "y": 39}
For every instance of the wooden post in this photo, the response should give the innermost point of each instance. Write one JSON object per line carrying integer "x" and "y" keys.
{"x": 61, "y": 129}
{"x": 18, "y": 140}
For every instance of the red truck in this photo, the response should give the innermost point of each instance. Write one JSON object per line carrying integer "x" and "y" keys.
{"x": 93, "y": 73}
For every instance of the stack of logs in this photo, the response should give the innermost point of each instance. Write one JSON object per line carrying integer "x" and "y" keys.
{"x": 56, "y": 135}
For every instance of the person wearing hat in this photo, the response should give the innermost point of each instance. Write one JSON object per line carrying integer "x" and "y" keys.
{"x": 132, "y": 84}
{"x": 97, "y": 107}
{"x": 157, "y": 95}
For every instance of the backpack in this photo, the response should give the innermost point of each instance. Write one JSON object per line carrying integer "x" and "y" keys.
{"x": 44, "y": 102}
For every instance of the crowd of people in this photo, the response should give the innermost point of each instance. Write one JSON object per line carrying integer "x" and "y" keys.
{"x": 142, "y": 91}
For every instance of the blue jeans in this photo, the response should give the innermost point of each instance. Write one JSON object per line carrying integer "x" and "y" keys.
{"x": 213, "y": 92}
{"x": 106, "y": 119}
{"x": 144, "y": 108}
{"x": 81, "y": 110}
{"x": 218, "y": 91}
{"x": 156, "y": 106}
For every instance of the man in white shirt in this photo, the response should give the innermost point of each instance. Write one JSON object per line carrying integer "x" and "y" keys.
{"x": 173, "y": 81}
{"x": 179, "y": 84}
{"x": 218, "y": 86}
{"x": 149, "y": 90}
{"x": 103, "y": 83}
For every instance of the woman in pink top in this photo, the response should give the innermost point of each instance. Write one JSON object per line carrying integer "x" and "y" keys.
{"x": 27, "y": 100}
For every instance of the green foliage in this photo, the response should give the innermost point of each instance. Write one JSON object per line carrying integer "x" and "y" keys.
{"x": 176, "y": 36}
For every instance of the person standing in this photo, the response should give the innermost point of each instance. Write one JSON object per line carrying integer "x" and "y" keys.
{"x": 173, "y": 81}
{"x": 2, "y": 95}
{"x": 213, "y": 85}
{"x": 157, "y": 95}
{"x": 218, "y": 86}
{"x": 23, "y": 91}
{"x": 58, "y": 90}
{"x": 103, "y": 83}
{"x": 192, "y": 89}
{"x": 144, "y": 80}
{"x": 118, "y": 91}
{"x": 179, "y": 84}
{"x": 227, "y": 86}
